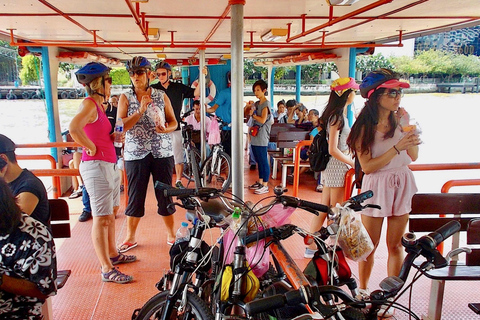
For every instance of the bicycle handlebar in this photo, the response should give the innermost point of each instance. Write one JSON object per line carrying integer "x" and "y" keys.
{"x": 169, "y": 191}
{"x": 433, "y": 239}
{"x": 305, "y": 294}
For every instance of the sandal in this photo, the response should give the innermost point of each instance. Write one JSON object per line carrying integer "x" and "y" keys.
{"x": 123, "y": 258}
{"x": 124, "y": 247}
{"x": 116, "y": 276}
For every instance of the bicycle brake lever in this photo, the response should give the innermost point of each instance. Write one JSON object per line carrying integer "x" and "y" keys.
{"x": 374, "y": 206}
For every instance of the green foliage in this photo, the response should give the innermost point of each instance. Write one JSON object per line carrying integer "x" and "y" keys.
{"x": 367, "y": 64}
{"x": 120, "y": 76}
{"x": 249, "y": 69}
{"x": 30, "y": 69}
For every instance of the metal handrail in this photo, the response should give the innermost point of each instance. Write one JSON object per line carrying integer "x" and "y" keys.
{"x": 56, "y": 184}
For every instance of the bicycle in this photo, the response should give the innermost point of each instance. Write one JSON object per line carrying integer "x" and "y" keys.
{"x": 216, "y": 171}
{"x": 186, "y": 262}
{"x": 390, "y": 287}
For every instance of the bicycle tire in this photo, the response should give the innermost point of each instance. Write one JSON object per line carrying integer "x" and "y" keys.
{"x": 188, "y": 168}
{"x": 194, "y": 305}
{"x": 219, "y": 180}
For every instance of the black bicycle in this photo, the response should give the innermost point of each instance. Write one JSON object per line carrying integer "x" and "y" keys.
{"x": 390, "y": 287}
{"x": 215, "y": 171}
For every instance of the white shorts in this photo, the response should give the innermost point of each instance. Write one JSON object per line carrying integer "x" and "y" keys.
{"x": 103, "y": 185}
{"x": 177, "y": 144}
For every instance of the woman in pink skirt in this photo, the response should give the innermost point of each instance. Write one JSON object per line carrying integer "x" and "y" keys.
{"x": 384, "y": 152}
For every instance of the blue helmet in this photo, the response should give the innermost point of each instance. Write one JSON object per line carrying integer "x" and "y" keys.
{"x": 381, "y": 78}
{"x": 138, "y": 62}
{"x": 90, "y": 71}
{"x": 163, "y": 65}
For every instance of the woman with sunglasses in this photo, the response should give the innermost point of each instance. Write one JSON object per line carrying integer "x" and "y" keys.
{"x": 91, "y": 129}
{"x": 384, "y": 152}
{"x": 334, "y": 121}
{"x": 148, "y": 148}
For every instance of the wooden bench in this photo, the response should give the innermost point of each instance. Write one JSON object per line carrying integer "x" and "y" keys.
{"x": 431, "y": 211}
{"x": 287, "y": 139}
{"x": 60, "y": 222}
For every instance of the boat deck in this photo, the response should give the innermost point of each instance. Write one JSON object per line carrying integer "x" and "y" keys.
{"x": 85, "y": 296}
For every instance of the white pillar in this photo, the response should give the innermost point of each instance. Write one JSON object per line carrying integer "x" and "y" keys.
{"x": 236, "y": 28}
{"x": 201, "y": 83}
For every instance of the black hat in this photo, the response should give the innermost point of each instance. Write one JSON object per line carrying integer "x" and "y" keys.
{"x": 6, "y": 145}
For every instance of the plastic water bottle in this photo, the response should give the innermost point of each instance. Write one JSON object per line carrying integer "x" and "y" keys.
{"x": 236, "y": 219}
{"x": 118, "y": 133}
{"x": 182, "y": 233}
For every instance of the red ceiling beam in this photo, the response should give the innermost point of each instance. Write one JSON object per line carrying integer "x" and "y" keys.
{"x": 340, "y": 19}
{"x": 137, "y": 18}
{"x": 215, "y": 28}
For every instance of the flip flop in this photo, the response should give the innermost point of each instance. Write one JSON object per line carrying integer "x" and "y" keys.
{"x": 170, "y": 242}
{"x": 126, "y": 246}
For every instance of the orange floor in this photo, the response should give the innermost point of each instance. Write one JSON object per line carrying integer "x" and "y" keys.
{"x": 85, "y": 296}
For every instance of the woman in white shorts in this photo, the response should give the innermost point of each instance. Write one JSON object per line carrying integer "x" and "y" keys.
{"x": 384, "y": 152}
{"x": 334, "y": 120}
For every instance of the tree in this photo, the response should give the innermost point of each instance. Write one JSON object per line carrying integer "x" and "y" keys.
{"x": 367, "y": 64}
{"x": 30, "y": 69}
{"x": 120, "y": 76}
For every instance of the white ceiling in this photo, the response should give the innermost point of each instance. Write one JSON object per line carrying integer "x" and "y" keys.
{"x": 68, "y": 24}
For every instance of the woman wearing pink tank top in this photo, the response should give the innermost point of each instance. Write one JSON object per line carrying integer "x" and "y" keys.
{"x": 384, "y": 153}
{"x": 91, "y": 129}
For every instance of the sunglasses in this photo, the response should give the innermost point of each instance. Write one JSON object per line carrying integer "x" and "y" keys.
{"x": 136, "y": 72}
{"x": 393, "y": 93}
{"x": 108, "y": 80}
{"x": 159, "y": 74}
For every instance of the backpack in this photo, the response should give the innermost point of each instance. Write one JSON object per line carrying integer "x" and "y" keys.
{"x": 318, "y": 152}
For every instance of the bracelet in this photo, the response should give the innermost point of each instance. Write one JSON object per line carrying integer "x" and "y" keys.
{"x": 138, "y": 111}
{"x": 394, "y": 147}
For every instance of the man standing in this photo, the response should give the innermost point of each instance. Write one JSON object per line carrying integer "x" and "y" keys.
{"x": 176, "y": 92}
{"x": 28, "y": 190}
{"x": 223, "y": 109}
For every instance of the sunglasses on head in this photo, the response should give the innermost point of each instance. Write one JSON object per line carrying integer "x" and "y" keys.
{"x": 136, "y": 72}
{"x": 161, "y": 74}
{"x": 394, "y": 93}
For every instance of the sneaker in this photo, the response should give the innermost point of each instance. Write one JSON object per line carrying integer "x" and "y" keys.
{"x": 75, "y": 194}
{"x": 319, "y": 188}
{"x": 261, "y": 190}
{"x": 363, "y": 294}
{"x": 179, "y": 185}
{"x": 256, "y": 185}
{"x": 384, "y": 313}
{"x": 85, "y": 216}
{"x": 309, "y": 253}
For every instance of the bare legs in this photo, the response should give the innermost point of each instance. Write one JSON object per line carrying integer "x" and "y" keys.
{"x": 132, "y": 225}
{"x": 103, "y": 238}
{"x": 330, "y": 196}
{"x": 395, "y": 228}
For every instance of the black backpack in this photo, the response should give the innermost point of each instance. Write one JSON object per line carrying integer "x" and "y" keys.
{"x": 318, "y": 152}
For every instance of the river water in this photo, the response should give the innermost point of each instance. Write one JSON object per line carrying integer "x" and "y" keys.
{"x": 450, "y": 125}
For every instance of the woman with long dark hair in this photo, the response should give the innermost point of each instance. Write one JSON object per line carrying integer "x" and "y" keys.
{"x": 335, "y": 122}
{"x": 28, "y": 261}
{"x": 384, "y": 152}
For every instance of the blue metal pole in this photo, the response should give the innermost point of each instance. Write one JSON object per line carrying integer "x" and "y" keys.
{"x": 47, "y": 79}
{"x": 298, "y": 82}
{"x": 271, "y": 81}
{"x": 351, "y": 73}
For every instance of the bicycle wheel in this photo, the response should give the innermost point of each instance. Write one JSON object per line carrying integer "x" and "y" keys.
{"x": 194, "y": 308}
{"x": 190, "y": 168}
{"x": 220, "y": 176}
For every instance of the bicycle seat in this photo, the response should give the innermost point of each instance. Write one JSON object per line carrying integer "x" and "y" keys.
{"x": 215, "y": 209}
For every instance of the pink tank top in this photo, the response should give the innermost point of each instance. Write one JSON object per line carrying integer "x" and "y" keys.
{"x": 99, "y": 132}
{"x": 381, "y": 145}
